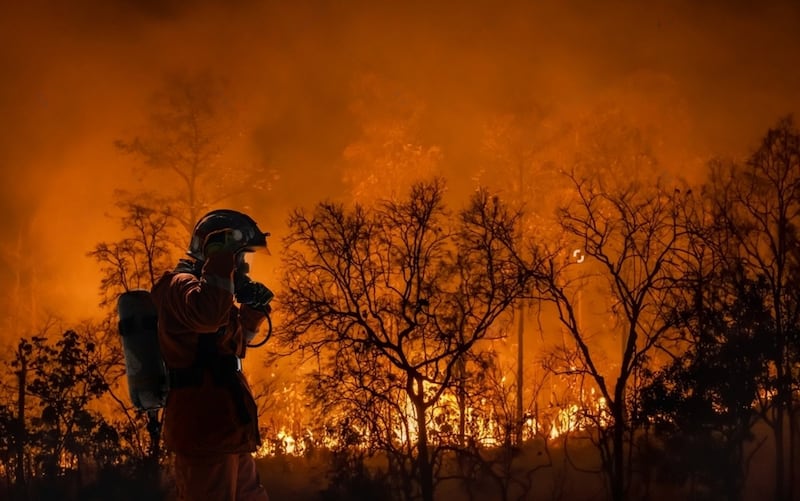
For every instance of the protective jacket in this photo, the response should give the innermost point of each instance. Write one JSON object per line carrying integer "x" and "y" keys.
{"x": 203, "y": 336}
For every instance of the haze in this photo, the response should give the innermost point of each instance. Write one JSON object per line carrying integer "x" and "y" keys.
{"x": 709, "y": 76}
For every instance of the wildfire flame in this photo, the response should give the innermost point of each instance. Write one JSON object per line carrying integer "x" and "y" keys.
{"x": 486, "y": 428}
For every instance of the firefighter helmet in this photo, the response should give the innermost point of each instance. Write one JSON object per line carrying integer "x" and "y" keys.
{"x": 241, "y": 224}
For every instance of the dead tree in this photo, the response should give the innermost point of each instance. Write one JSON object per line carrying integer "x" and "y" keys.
{"x": 630, "y": 234}
{"x": 394, "y": 297}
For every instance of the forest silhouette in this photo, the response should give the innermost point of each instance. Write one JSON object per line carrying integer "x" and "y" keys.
{"x": 520, "y": 250}
{"x": 397, "y": 313}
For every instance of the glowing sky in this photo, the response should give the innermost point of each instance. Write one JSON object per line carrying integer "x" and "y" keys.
{"x": 75, "y": 76}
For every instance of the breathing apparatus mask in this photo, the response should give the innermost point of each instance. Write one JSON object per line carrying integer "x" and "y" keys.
{"x": 247, "y": 291}
{"x": 241, "y": 233}
{"x": 254, "y": 294}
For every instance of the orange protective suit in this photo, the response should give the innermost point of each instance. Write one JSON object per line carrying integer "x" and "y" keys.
{"x": 210, "y": 420}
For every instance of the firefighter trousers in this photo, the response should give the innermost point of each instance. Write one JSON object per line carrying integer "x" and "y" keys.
{"x": 218, "y": 477}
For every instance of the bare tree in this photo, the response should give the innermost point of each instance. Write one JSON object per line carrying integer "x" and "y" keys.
{"x": 393, "y": 298}
{"x": 142, "y": 255}
{"x": 522, "y": 153}
{"x": 189, "y": 134}
{"x": 136, "y": 261}
{"x": 516, "y": 162}
{"x": 630, "y": 235}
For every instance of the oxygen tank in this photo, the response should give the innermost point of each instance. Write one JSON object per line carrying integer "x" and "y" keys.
{"x": 147, "y": 375}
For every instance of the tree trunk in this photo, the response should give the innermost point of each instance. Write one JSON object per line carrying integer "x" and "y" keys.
{"x": 778, "y": 433}
{"x": 461, "y": 398}
{"x": 423, "y": 458}
{"x": 788, "y": 423}
{"x": 520, "y": 376}
{"x": 22, "y": 432}
{"x": 780, "y": 450}
{"x": 618, "y": 440}
{"x": 792, "y": 448}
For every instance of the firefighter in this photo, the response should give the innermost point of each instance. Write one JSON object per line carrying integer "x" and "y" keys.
{"x": 210, "y": 420}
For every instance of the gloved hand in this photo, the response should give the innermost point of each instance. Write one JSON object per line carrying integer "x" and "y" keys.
{"x": 223, "y": 240}
{"x": 253, "y": 294}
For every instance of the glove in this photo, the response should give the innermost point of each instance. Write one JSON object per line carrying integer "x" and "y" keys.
{"x": 223, "y": 240}
{"x": 253, "y": 294}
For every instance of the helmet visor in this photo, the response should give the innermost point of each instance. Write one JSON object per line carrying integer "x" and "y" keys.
{"x": 257, "y": 241}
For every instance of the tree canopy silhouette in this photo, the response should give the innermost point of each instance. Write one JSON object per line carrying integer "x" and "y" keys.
{"x": 394, "y": 298}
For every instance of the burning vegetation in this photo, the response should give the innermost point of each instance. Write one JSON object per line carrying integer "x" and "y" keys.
{"x": 673, "y": 309}
{"x": 483, "y": 291}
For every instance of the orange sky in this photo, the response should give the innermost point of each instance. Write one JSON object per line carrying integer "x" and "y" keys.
{"x": 710, "y": 76}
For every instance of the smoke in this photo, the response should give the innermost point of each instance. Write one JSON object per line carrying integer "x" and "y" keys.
{"x": 710, "y": 77}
